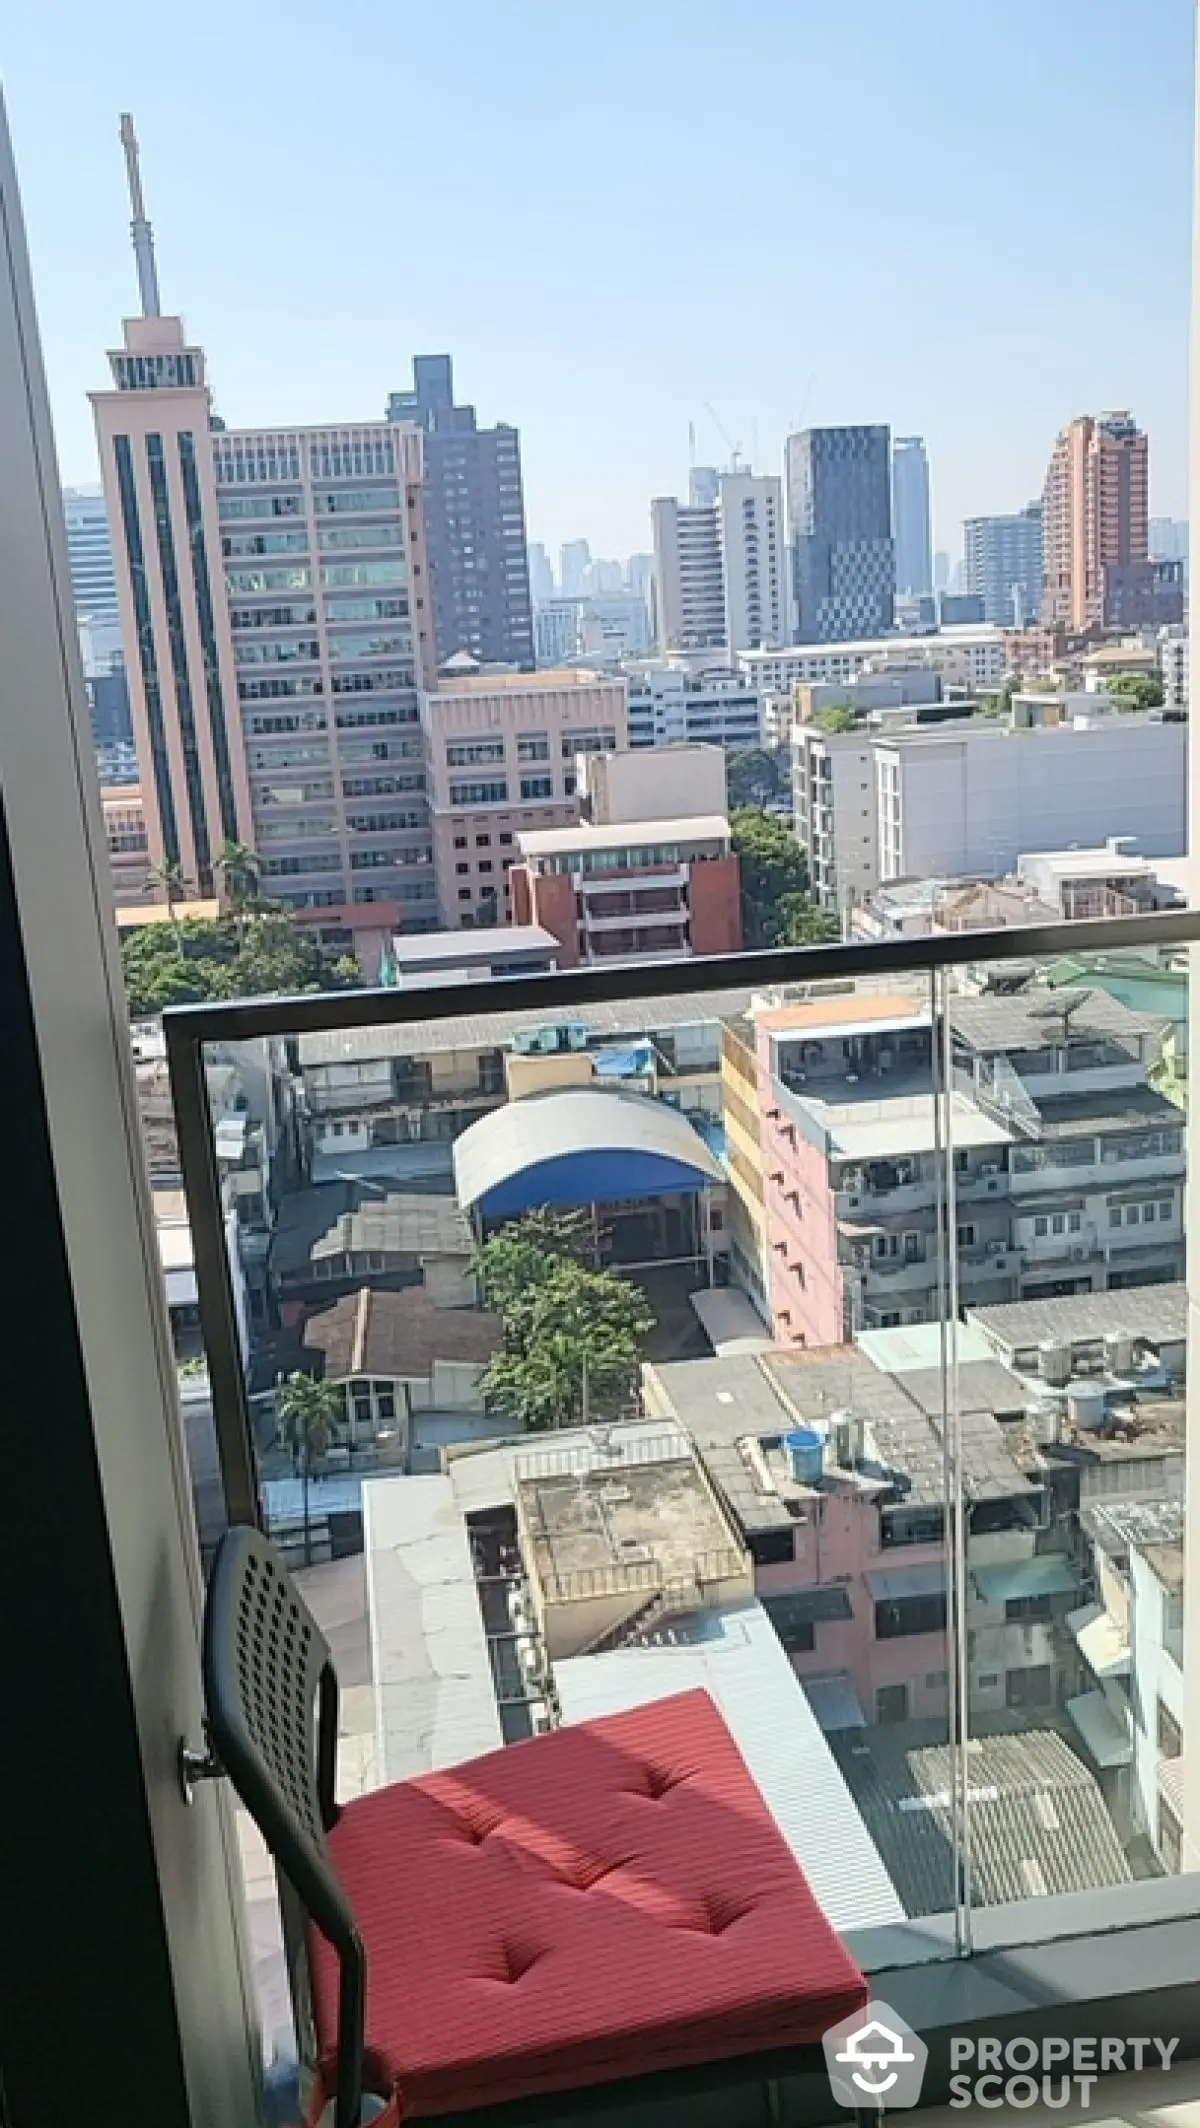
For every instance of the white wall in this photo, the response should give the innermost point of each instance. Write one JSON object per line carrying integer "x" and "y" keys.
{"x": 971, "y": 803}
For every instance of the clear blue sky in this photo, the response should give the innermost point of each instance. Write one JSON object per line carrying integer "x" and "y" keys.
{"x": 969, "y": 218}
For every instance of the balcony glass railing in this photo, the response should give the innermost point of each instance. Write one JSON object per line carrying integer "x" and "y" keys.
{"x": 902, "y": 1488}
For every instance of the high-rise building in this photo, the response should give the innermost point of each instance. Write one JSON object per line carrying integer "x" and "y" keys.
{"x": 941, "y": 570}
{"x": 840, "y": 532}
{"x": 689, "y": 581}
{"x": 753, "y": 560}
{"x": 272, "y": 593}
{"x": 541, "y": 574}
{"x": 911, "y": 527}
{"x": 1004, "y": 565}
{"x": 474, "y": 522}
{"x": 90, "y": 555}
{"x": 1095, "y": 524}
{"x": 1169, "y": 539}
{"x": 574, "y": 561}
{"x": 639, "y": 575}
{"x": 703, "y": 482}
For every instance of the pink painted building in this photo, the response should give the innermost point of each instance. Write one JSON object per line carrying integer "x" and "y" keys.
{"x": 849, "y": 1550}
{"x": 849, "y": 1150}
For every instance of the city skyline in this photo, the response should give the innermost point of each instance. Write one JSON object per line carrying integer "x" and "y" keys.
{"x": 988, "y": 402}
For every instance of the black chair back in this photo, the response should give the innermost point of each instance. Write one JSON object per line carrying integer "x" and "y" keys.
{"x": 271, "y": 1700}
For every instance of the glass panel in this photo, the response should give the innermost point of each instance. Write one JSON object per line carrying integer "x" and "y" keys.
{"x": 1066, "y": 1120}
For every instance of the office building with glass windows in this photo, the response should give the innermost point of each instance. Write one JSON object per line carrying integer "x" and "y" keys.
{"x": 273, "y": 593}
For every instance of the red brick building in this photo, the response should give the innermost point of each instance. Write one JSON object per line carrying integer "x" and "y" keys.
{"x": 647, "y": 888}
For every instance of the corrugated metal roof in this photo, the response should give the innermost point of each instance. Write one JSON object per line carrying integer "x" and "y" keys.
{"x": 1157, "y": 1313}
{"x": 572, "y": 1121}
{"x": 495, "y": 1030}
{"x": 734, "y": 1653}
{"x": 436, "y": 1705}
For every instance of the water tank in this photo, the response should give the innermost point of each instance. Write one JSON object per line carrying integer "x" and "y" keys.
{"x": 1046, "y": 1418}
{"x": 1085, "y": 1406}
{"x": 805, "y": 1452}
{"x": 1054, "y": 1363}
{"x": 1118, "y": 1352}
{"x": 846, "y": 1438}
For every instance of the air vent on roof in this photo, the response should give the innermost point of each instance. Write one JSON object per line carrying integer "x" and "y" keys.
{"x": 632, "y": 1553}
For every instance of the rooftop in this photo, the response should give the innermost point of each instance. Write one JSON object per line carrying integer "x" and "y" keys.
{"x": 1156, "y": 1313}
{"x": 623, "y": 834}
{"x": 357, "y": 1217}
{"x": 495, "y": 1030}
{"x": 1045, "y": 1019}
{"x": 863, "y": 1124}
{"x": 1039, "y": 1825}
{"x": 734, "y": 1652}
{"x": 490, "y": 683}
{"x": 485, "y": 942}
{"x": 1083, "y": 1115}
{"x": 858, "y": 1013}
{"x": 584, "y": 1530}
{"x": 1153, "y": 1527}
{"x": 398, "y": 1334}
{"x": 577, "y": 1145}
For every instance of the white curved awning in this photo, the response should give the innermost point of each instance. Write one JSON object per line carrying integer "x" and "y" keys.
{"x": 579, "y": 1145}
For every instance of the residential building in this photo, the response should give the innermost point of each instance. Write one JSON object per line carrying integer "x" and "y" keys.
{"x": 501, "y": 757}
{"x": 839, "y": 517}
{"x": 912, "y": 688}
{"x": 657, "y": 889}
{"x": 911, "y": 527}
{"x": 968, "y": 658}
{"x": 1003, "y": 558}
{"x": 689, "y": 578}
{"x": 639, "y": 576}
{"x": 392, "y": 1353}
{"x": 541, "y": 574}
{"x": 1069, "y": 1163}
{"x": 474, "y": 511}
{"x": 556, "y": 627}
{"x": 834, "y": 812}
{"x": 965, "y": 800}
{"x": 1130, "y": 1639}
{"x": 1097, "y": 567}
{"x": 272, "y": 593}
{"x": 669, "y": 704}
{"x": 108, "y": 707}
{"x": 753, "y": 562}
{"x": 440, "y": 957}
{"x": 574, "y": 561}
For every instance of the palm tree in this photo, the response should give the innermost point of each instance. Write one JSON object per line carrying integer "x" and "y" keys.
{"x": 175, "y": 886}
{"x": 310, "y": 1413}
{"x": 241, "y": 871}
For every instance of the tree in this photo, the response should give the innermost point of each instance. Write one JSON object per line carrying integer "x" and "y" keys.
{"x": 1137, "y": 690}
{"x": 805, "y": 923}
{"x": 573, "y": 1334}
{"x": 173, "y": 881}
{"x": 836, "y": 717}
{"x": 232, "y": 957}
{"x": 753, "y": 776}
{"x": 241, "y": 875}
{"x": 310, "y": 1414}
{"x": 775, "y": 897}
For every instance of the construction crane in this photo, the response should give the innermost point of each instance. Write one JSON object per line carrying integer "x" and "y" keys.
{"x": 734, "y": 449}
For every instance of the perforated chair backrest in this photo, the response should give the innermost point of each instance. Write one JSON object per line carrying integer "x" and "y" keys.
{"x": 271, "y": 1700}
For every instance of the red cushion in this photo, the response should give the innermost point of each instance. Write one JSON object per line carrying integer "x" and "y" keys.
{"x": 595, "y": 1903}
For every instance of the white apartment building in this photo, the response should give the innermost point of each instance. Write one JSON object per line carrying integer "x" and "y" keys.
{"x": 90, "y": 557}
{"x": 556, "y": 630}
{"x": 689, "y": 581}
{"x": 965, "y": 800}
{"x": 613, "y": 626}
{"x": 671, "y": 705}
{"x": 750, "y": 523}
{"x": 969, "y": 656}
{"x": 833, "y": 812}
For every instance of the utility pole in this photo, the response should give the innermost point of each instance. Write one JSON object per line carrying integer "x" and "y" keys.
{"x": 139, "y": 227}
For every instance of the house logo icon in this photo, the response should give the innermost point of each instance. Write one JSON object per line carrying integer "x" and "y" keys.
{"x": 875, "y": 2059}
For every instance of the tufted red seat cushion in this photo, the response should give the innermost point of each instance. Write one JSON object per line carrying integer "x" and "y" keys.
{"x": 596, "y": 1903}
